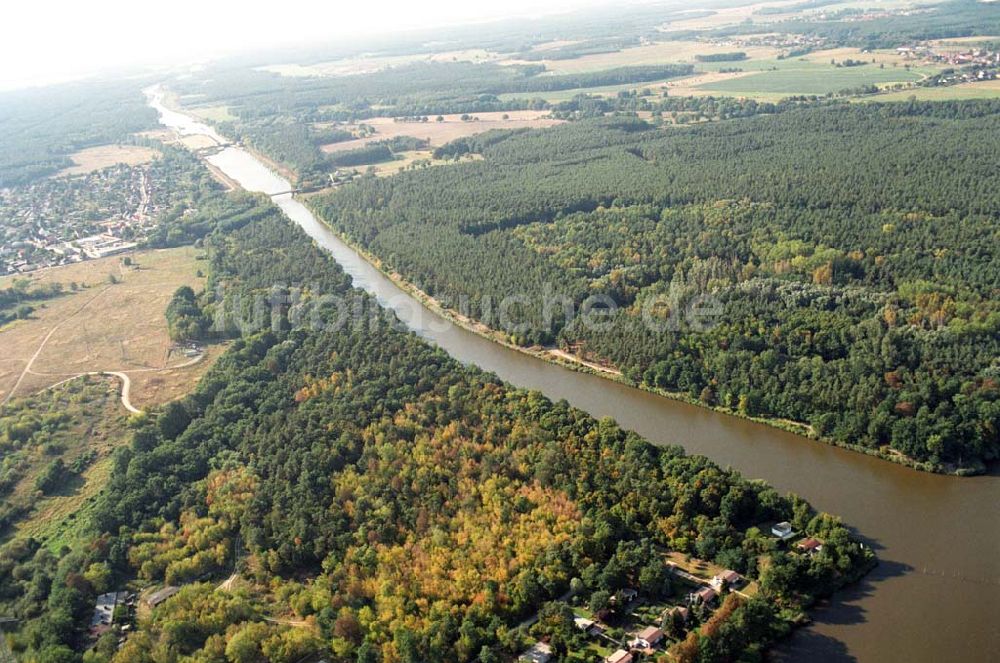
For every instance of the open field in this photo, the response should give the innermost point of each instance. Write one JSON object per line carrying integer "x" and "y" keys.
{"x": 762, "y": 76}
{"x": 213, "y": 113}
{"x": 601, "y": 91}
{"x": 889, "y": 58}
{"x": 56, "y": 519}
{"x": 369, "y": 64}
{"x": 439, "y": 133}
{"x": 652, "y": 54}
{"x": 554, "y": 45}
{"x": 103, "y": 156}
{"x": 405, "y": 160}
{"x": 735, "y": 15}
{"x": 191, "y": 142}
{"x": 981, "y": 90}
{"x": 163, "y": 385}
{"x": 797, "y": 77}
{"x": 963, "y": 43}
{"x": 163, "y": 135}
{"x": 726, "y": 16}
{"x": 693, "y": 86}
{"x": 104, "y": 326}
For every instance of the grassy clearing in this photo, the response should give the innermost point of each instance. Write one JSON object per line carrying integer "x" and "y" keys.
{"x": 652, "y": 54}
{"x": 450, "y": 128}
{"x": 91, "y": 424}
{"x": 600, "y": 91}
{"x": 103, "y": 326}
{"x": 103, "y": 156}
{"x": 787, "y": 78}
{"x": 196, "y": 142}
{"x": 762, "y": 76}
{"x": 706, "y": 570}
{"x": 697, "y": 567}
{"x": 726, "y": 16}
{"x": 370, "y": 64}
{"x": 963, "y": 43}
{"x": 404, "y": 161}
{"x": 168, "y": 384}
{"x": 60, "y": 520}
{"x": 213, "y": 113}
{"x": 984, "y": 90}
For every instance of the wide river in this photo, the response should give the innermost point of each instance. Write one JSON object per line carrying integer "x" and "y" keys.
{"x": 935, "y": 595}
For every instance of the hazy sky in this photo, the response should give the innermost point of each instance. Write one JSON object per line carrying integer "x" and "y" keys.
{"x": 43, "y": 41}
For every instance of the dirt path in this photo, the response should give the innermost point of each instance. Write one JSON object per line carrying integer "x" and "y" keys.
{"x": 27, "y": 367}
{"x": 126, "y": 389}
{"x": 121, "y": 375}
{"x": 126, "y": 386}
{"x": 562, "y": 354}
{"x": 227, "y": 584}
{"x": 286, "y": 622}
{"x": 126, "y": 380}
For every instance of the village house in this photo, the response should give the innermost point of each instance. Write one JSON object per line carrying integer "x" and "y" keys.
{"x": 540, "y": 652}
{"x": 727, "y": 578}
{"x": 648, "y": 638}
{"x": 159, "y": 596}
{"x": 104, "y": 609}
{"x": 588, "y": 626}
{"x": 680, "y": 614}
{"x": 620, "y": 656}
{"x": 703, "y": 596}
{"x": 104, "y": 612}
{"x": 624, "y": 596}
{"x": 810, "y": 546}
{"x": 783, "y": 530}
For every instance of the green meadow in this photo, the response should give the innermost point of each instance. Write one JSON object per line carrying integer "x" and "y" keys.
{"x": 787, "y": 78}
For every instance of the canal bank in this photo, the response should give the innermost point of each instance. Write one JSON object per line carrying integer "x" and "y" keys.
{"x": 936, "y": 593}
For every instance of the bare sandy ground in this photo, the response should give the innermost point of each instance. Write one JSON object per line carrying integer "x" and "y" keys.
{"x": 452, "y": 127}
{"x": 102, "y": 156}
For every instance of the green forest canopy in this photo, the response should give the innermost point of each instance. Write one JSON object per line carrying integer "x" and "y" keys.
{"x": 853, "y": 247}
{"x": 365, "y": 473}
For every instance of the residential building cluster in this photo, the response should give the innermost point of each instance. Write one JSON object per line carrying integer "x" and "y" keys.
{"x": 967, "y": 66}
{"x": 62, "y": 220}
{"x": 637, "y": 626}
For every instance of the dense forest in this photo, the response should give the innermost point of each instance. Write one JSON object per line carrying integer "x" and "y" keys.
{"x": 274, "y": 113}
{"x": 851, "y": 248}
{"x": 388, "y": 504}
{"x": 40, "y": 128}
{"x": 949, "y": 19}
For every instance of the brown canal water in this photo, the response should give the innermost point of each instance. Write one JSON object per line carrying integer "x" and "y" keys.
{"x": 935, "y": 595}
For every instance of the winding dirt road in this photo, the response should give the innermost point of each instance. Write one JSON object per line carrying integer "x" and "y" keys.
{"x": 121, "y": 375}
{"x": 126, "y": 385}
{"x": 41, "y": 346}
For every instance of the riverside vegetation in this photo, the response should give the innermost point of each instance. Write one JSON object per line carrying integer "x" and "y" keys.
{"x": 359, "y": 475}
{"x": 852, "y": 250}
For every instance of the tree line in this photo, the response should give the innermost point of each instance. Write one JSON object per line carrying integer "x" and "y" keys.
{"x": 850, "y": 246}
{"x": 366, "y": 473}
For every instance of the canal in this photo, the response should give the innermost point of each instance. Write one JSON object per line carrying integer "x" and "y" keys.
{"x": 935, "y": 595}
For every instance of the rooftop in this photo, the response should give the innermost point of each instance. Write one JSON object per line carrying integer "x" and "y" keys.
{"x": 810, "y": 544}
{"x": 540, "y": 652}
{"x": 650, "y": 633}
{"x": 620, "y": 656}
{"x": 161, "y": 595}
